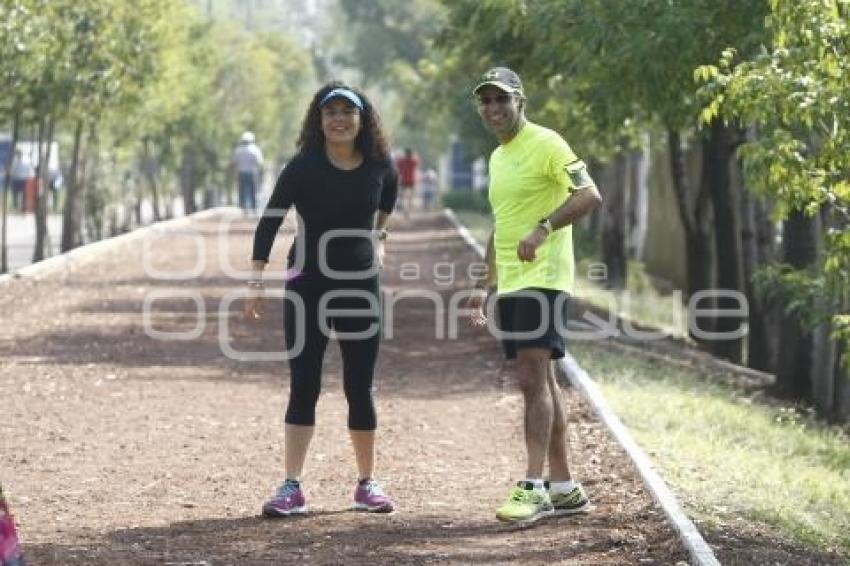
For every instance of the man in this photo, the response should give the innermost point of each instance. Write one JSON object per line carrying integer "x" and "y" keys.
{"x": 407, "y": 166}
{"x": 248, "y": 160}
{"x": 538, "y": 189}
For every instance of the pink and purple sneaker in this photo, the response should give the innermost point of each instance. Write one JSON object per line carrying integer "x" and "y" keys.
{"x": 288, "y": 500}
{"x": 370, "y": 497}
{"x": 10, "y": 551}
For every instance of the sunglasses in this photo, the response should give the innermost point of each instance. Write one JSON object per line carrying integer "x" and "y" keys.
{"x": 498, "y": 99}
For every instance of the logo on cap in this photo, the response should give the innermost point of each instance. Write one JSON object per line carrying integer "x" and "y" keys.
{"x": 501, "y": 77}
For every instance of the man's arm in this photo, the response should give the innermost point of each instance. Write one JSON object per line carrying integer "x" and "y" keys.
{"x": 490, "y": 262}
{"x": 475, "y": 302}
{"x": 580, "y": 202}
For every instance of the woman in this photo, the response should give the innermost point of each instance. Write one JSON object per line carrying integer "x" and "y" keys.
{"x": 341, "y": 179}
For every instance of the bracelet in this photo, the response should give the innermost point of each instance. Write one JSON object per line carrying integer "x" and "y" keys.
{"x": 256, "y": 284}
{"x": 381, "y": 234}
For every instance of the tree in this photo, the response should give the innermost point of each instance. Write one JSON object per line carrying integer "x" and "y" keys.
{"x": 16, "y": 53}
{"x": 796, "y": 94}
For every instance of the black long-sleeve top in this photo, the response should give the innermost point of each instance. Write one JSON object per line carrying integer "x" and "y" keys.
{"x": 328, "y": 198}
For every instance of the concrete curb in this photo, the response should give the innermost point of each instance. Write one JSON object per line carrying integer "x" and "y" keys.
{"x": 698, "y": 550}
{"x": 86, "y": 251}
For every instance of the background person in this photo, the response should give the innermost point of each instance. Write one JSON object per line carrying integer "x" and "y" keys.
{"x": 429, "y": 188}
{"x": 248, "y": 161}
{"x": 341, "y": 178}
{"x": 22, "y": 172}
{"x": 408, "y": 166}
{"x": 538, "y": 188}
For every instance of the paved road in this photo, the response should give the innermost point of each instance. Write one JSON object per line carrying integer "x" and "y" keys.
{"x": 21, "y": 231}
{"x": 21, "y": 238}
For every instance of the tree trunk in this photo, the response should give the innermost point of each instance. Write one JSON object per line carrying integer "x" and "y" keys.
{"x": 717, "y": 158}
{"x": 93, "y": 197}
{"x": 756, "y": 248}
{"x": 842, "y": 385}
{"x": 829, "y": 378}
{"x": 45, "y": 131}
{"x": 615, "y": 220}
{"x": 148, "y": 170}
{"x": 42, "y": 207}
{"x": 793, "y": 376}
{"x": 187, "y": 179}
{"x": 639, "y": 160}
{"x": 7, "y": 185}
{"x": 695, "y": 221}
{"x": 823, "y": 369}
{"x": 72, "y": 210}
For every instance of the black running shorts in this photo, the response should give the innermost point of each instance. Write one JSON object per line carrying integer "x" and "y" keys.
{"x": 532, "y": 318}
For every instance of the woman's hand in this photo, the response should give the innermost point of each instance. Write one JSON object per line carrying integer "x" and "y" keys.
{"x": 380, "y": 252}
{"x": 254, "y": 306}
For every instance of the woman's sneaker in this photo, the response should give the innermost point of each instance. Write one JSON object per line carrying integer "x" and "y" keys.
{"x": 289, "y": 500}
{"x": 525, "y": 503}
{"x": 370, "y": 497}
{"x": 569, "y": 502}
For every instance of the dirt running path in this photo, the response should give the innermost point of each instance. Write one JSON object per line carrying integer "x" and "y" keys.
{"x": 118, "y": 448}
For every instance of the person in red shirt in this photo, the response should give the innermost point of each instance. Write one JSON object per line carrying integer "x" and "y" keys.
{"x": 407, "y": 165}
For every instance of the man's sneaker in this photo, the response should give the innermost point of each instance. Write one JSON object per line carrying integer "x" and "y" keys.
{"x": 570, "y": 502}
{"x": 289, "y": 500}
{"x": 370, "y": 497}
{"x": 525, "y": 504}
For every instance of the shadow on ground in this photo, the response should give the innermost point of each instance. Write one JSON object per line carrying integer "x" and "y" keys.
{"x": 342, "y": 537}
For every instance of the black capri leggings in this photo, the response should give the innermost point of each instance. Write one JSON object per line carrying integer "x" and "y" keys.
{"x": 354, "y": 314}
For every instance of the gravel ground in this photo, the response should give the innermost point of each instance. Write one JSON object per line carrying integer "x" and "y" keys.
{"x": 120, "y": 447}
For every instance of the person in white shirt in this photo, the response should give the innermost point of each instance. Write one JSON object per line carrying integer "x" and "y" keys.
{"x": 429, "y": 188}
{"x": 22, "y": 172}
{"x": 248, "y": 160}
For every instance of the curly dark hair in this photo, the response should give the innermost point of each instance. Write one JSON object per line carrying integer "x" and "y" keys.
{"x": 370, "y": 140}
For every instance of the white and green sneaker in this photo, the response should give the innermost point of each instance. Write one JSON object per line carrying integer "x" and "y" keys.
{"x": 569, "y": 502}
{"x": 525, "y": 503}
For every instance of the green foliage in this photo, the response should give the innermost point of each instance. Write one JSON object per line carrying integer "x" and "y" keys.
{"x": 384, "y": 32}
{"x": 386, "y": 44}
{"x": 801, "y": 292}
{"x": 150, "y": 78}
{"x": 605, "y": 67}
{"x": 796, "y": 94}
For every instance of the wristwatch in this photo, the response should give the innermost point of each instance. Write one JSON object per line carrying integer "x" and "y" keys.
{"x": 546, "y": 224}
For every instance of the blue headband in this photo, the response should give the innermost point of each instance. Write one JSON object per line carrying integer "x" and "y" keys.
{"x": 342, "y": 93}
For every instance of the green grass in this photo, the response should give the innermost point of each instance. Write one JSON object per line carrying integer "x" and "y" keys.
{"x": 478, "y": 224}
{"x": 727, "y": 454}
{"x": 640, "y": 303}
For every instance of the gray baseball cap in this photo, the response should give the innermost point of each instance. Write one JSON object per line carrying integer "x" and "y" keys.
{"x": 501, "y": 78}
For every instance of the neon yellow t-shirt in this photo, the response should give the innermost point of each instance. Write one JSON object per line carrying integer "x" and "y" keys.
{"x": 529, "y": 179}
